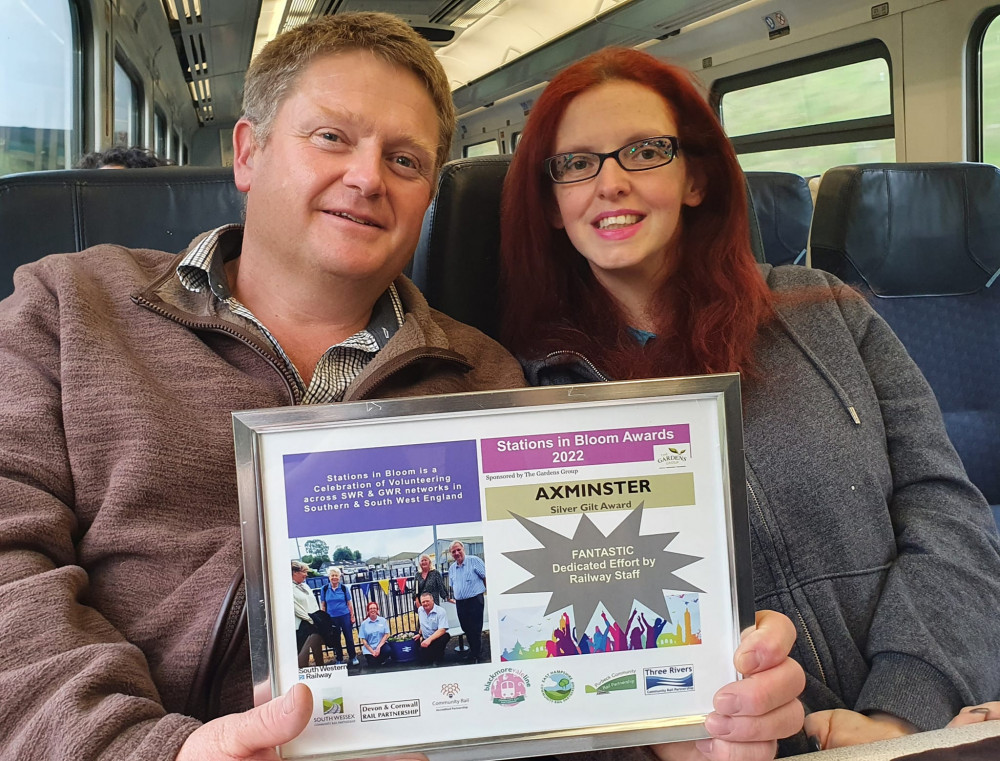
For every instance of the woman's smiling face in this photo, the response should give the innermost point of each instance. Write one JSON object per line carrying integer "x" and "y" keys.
{"x": 626, "y": 224}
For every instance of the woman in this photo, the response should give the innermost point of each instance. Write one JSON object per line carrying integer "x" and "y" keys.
{"x": 374, "y": 631}
{"x": 335, "y": 600}
{"x": 307, "y": 636}
{"x": 563, "y": 637}
{"x": 626, "y": 254}
{"x": 429, "y": 580}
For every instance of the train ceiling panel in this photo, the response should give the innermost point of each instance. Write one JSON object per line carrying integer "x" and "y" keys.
{"x": 490, "y": 48}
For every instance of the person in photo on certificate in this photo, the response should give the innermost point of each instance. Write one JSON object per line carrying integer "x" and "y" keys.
{"x": 335, "y": 600}
{"x": 625, "y": 254}
{"x": 467, "y": 577}
{"x": 428, "y": 579}
{"x": 433, "y": 635}
{"x": 374, "y": 631}
{"x": 307, "y": 635}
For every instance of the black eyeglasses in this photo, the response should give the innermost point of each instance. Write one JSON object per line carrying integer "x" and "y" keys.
{"x": 649, "y": 153}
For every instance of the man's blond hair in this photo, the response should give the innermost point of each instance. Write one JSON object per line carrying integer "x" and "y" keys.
{"x": 273, "y": 73}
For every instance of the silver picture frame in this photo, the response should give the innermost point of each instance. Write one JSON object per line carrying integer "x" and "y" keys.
{"x": 508, "y": 429}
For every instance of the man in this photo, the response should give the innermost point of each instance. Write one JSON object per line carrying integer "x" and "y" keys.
{"x": 467, "y": 577}
{"x": 433, "y": 635}
{"x": 374, "y": 631}
{"x": 120, "y": 524}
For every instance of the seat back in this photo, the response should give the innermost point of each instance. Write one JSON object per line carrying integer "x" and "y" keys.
{"x": 924, "y": 241}
{"x": 457, "y": 261}
{"x": 69, "y": 210}
{"x": 784, "y": 208}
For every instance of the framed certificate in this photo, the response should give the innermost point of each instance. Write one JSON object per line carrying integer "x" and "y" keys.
{"x": 583, "y": 550}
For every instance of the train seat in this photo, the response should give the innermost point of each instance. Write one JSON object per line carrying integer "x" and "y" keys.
{"x": 923, "y": 242}
{"x": 784, "y": 207}
{"x": 69, "y": 210}
{"x": 457, "y": 261}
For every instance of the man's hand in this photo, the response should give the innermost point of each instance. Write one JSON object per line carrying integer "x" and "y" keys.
{"x": 751, "y": 715}
{"x": 841, "y": 727}
{"x": 425, "y": 643}
{"x": 977, "y": 714}
{"x": 252, "y": 735}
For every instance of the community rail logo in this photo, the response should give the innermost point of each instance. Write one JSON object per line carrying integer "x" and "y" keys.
{"x": 623, "y": 680}
{"x": 450, "y": 689}
{"x": 331, "y": 706}
{"x": 660, "y": 680}
{"x": 451, "y": 701}
{"x": 508, "y": 687}
{"x": 557, "y": 686}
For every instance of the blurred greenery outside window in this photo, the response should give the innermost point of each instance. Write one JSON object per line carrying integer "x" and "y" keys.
{"x": 40, "y": 85}
{"x": 989, "y": 59}
{"x": 810, "y": 115}
{"x": 485, "y": 148}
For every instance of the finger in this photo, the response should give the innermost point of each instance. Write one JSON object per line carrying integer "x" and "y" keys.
{"x": 783, "y": 721}
{"x": 762, "y": 692}
{"x": 818, "y": 725}
{"x": 976, "y": 714}
{"x": 766, "y": 644}
{"x": 722, "y": 750}
{"x": 274, "y": 723}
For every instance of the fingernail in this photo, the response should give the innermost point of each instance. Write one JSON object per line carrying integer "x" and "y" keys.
{"x": 704, "y": 746}
{"x": 718, "y": 725}
{"x": 747, "y": 661}
{"x": 984, "y": 711}
{"x": 727, "y": 703}
{"x": 814, "y": 743}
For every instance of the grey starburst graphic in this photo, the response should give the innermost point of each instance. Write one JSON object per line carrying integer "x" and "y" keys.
{"x": 590, "y": 568}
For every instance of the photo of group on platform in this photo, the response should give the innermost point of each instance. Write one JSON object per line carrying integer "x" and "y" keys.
{"x": 380, "y": 601}
{"x": 526, "y": 634}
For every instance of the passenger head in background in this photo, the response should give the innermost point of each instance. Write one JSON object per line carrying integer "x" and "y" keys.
{"x": 273, "y": 74}
{"x": 122, "y": 157}
{"x": 672, "y": 257}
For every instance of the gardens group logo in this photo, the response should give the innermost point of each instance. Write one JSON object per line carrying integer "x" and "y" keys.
{"x": 507, "y": 687}
{"x": 557, "y": 686}
{"x": 672, "y": 455}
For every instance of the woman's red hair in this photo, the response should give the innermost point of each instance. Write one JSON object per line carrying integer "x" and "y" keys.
{"x": 713, "y": 304}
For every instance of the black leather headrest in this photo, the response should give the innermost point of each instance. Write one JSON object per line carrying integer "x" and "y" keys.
{"x": 909, "y": 229}
{"x": 784, "y": 208}
{"x": 457, "y": 261}
{"x": 69, "y": 210}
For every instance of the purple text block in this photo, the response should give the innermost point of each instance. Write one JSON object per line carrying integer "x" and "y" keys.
{"x": 381, "y": 488}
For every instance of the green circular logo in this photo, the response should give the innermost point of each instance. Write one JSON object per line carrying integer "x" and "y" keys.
{"x": 557, "y": 686}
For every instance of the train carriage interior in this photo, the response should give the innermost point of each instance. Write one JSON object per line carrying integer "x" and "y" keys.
{"x": 868, "y": 132}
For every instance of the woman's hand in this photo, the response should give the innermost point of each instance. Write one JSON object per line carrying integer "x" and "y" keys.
{"x": 977, "y": 714}
{"x": 751, "y": 715}
{"x": 841, "y": 727}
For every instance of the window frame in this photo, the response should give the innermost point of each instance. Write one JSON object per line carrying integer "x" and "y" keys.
{"x": 494, "y": 140}
{"x": 974, "y": 82}
{"x": 829, "y": 133}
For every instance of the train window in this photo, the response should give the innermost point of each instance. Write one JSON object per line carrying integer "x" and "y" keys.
{"x": 128, "y": 100}
{"x": 159, "y": 133}
{"x": 40, "y": 125}
{"x": 984, "y": 71}
{"x": 515, "y": 138}
{"x": 175, "y": 147}
{"x": 485, "y": 148}
{"x": 817, "y": 112}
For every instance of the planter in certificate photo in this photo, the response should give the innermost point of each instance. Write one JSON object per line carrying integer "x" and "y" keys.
{"x": 476, "y": 572}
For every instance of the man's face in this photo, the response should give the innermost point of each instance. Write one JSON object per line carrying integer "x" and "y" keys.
{"x": 427, "y": 603}
{"x": 458, "y": 553}
{"x": 341, "y": 185}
